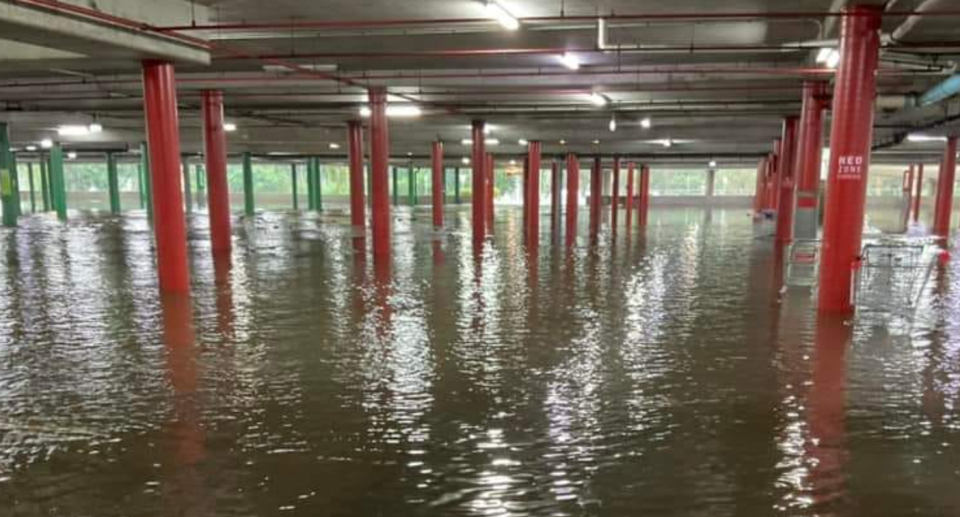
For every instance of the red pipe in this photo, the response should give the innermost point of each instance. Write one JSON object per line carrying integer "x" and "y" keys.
{"x": 479, "y": 182}
{"x": 788, "y": 185}
{"x": 850, "y": 142}
{"x": 809, "y": 158}
{"x": 491, "y": 168}
{"x": 919, "y": 195}
{"x": 644, "y": 195}
{"x": 533, "y": 193}
{"x": 573, "y": 197}
{"x": 379, "y": 175}
{"x": 615, "y": 196}
{"x": 355, "y": 149}
{"x": 596, "y": 194}
{"x": 437, "y": 183}
{"x": 218, "y": 190}
{"x": 631, "y": 169}
{"x": 944, "y": 206}
{"x": 163, "y": 135}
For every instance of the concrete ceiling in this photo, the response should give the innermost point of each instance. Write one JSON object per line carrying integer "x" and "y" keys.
{"x": 713, "y": 86}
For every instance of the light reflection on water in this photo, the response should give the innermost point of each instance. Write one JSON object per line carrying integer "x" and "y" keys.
{"x": 661, "y": 373}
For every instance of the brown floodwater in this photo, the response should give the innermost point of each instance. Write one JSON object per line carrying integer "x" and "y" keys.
{"x": 656, "y": 372}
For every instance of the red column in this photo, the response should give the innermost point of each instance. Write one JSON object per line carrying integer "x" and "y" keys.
{"x": 525, "y": 186}
{"x": 615, "y": 196}
{"x": 533, "y": 192}
{"x": 760, "y": 189}
{"x": 379, "y": 175}
{"x": 357, "y": 205}
{"x": 850, "y": 141}
{"x": 919, "y": 194}
{"x": 768, "y": 181}
{"x": 631, "y": 169}
{"x": 163, "y": 135}
{"x": 488, "y": 197}
{"x": 809, "y": 157}
{"x": 944, "y": 207}
{"x": 787, "y": 180}
{"x": 215, "y": 151}
{"x": 596, "y": 195}
{"x": 479, "y": 189}
{"x": 437, "y": 183}
{"x": 573, "y": 194}
{"x": 775, "y": 168}
{"x": 644, "y": 194}
{"x": 907, "y": 196}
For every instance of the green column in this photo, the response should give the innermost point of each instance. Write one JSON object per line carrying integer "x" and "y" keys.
{"x": 317, "y": 184}
{"x": 147, "y": 180}
{"x": 248, "y": 201}
{"x": 456, "y": 185}
{"x": 396, "y": 191}
{"x": 33, "y": 192}
{"x": 113, "y": 183}
{"x": 7, "y": 172}
{"x": 16, "y": 184}
{"x": 187, "y": 193}
{"x": 293, "y": 182}
{"x": 140, "y": 186}
{"x": 44, "y": 183}
{"x": 412, "y": 185}
{"x": 58, "y": 188}
{"x": 200, "y": 184}
{"x": 311, "y": 202}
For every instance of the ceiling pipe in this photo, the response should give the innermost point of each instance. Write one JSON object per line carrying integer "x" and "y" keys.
{"x": 926, "y": 6}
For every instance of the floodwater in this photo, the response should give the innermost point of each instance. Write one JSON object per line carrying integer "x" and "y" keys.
{"x": 660, "y": 372}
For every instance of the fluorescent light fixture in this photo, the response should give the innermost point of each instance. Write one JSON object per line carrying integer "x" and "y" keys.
{"x": 73, "y": 130}
{"x": 598, "y": 99}
{"x": 229, "y": 126}
{"x": 46, "y": 143}
{"x": 503, "y": 17}
{"x": 613, "y": 123}
{"x": 646, "y": 123}
{"x": 668, "y": 143}
{"x": 834, "y": 59}
{"x": 713, "y": 164}
{"x": 823, "y": 54}
{"x": 569, "y": 60}
{"x": 395, "y": 111}
{"x": 334, "y": 145}
{"x": 522, "y": 141}
{"x": 513, "y": 162}
{"x": 31, "y": 148}
{"x": 409, "y": 153}
{"x": 96, "y": 127}
{"x": 487, "y": 129}
{"x": 563, "y": 141}
{"x": 72, "y": 155}
{"x": 465, "y": 160}
{"x": 917, "y": 137}
{"x": 486, "y": 141}
{"x": 596, "y": 142}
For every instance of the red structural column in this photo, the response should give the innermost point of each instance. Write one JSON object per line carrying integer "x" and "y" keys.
{"x": 573, "y": 195}
{"x": 615, "y": 196}
{"x": 761, "y": 188}
{"x": 644, "y": 195}
{"x": 850, "y": 142}
{"x": 525, "y": 184}
{"x": 357, "y": 204}
{"x": 628, "y": 202}
{"x": 809, "y": 156}
{"x": 479, "y": 189}
{"x": 596, "y": 195}
{"x": 944, "y": 207}
{"x": 379, "y": 175}
{"x": 488, "y": 197}
{"x": 437, "y": 184}
{"x": 215, "y": 151}
{"x": 163, "y": 134}
{"x": 788, "y": 186}
{"x": 773, "y": 192}
{"x": 919, "y": 193}
{"x": 908, "y": 195}
{"x": 533, "y": 191}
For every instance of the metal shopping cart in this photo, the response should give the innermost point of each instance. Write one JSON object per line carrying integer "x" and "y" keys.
{"x": 893, "y": 273}
{"x": 803, "y": 262}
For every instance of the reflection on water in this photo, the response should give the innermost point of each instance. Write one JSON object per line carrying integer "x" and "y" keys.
{"x": 662, "y": 371}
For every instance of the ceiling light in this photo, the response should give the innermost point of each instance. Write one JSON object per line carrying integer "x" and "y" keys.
{"x": 96, "y": 127}
{"x": 409, "y": 153}
{"x": 72, "y": 130}
{"x": 613, "y": 123}
{"x": 334, "y": 145}
{"x": 465, "y": 160}
{"x": 668, "y": 143}
{"x": 487, "y": 129}
{"x": 569, "y": 60}
{"x": 598, "y": 99}
{"x": 72, "y": 155}
{"x": 46, "y": 143}
{"x": 395, "y": 111}
{"x": 504, "y": 18}
{"x": 513, "y": 162}
{"x": 229, "y": 126}
{"x": 646, "y": 123}
{"x": 834, "y": 59}
{"x": 522, "y": 141}
{"x": 917, "y": 137}
{"x": 713, "y": 164}
{"x": 31, "y": 148}
{"x": 563, "y": 142}
{"x": 596, "y": 142}
{"x": 487, "y": 141}
{"x": 823, "y": 54}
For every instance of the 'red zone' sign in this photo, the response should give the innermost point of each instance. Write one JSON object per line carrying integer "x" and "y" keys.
{"x": 851, "y": 167}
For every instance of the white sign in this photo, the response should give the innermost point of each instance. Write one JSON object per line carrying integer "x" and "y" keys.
{"x": 851, "y": 168}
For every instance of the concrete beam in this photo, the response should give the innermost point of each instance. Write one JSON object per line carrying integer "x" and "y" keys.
{"x": 100, "y": 39}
